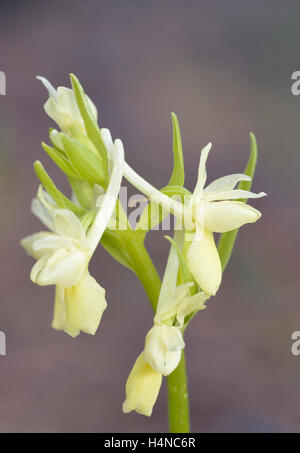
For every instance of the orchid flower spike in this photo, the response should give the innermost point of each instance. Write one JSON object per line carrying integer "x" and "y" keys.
{"x": 215, "y": 209}
{"x": 64, "y": 252}
{"x": 62, "y": 107}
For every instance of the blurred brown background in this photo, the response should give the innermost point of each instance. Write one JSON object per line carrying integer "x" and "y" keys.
{"x": 225, "y": 69}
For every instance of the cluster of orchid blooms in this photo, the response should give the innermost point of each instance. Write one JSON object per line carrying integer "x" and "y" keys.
{"x": 94, "y": 165}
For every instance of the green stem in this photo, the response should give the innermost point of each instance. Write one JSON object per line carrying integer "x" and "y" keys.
{"x": 178, "y": 403}
{"x": 145, "y": 270}
{"x": 178, "y": 399}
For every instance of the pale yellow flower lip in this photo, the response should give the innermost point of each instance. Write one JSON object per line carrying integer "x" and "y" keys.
{"x": 142, "y": 388}
{"x": 80, "y": 307}
{"x": 204, "y": 263}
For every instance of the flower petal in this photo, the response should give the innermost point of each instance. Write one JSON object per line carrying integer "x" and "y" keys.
{"x": 204, "y": 263}
{"x": 189, "y": 305}
{"x": 63, "y": 109}
{"x": 168, "y": 285}
{"x": 233, "y": 195}
{"x": 29, "y": 241}
{"x": 225, "y": 216}
{"x": 142, "y": 388}
{"x": 202, "y": 170}
{"x": 39, "y": 210}
{"x": 168, "y": 308}
{"x": 62, "y": 119}
{"x": 67, "y": 224}
{"x": 60, "y": 268}
{"x": 62, "y": 106}
{"x": 226, "y": 183}
{"x": 51, "y": 242}
{"x": 172, "y": 362}
{"x": 39, "y": 266}
{"x": 66, "y": 105}
{"x": 51, "y": 90}
{"x": 84, "y": 303}
{"x": 59, "y": 316}
{"x": 163, "y": 346}
{"x": 108, "y": 142}
{"x": 109, "y": 199}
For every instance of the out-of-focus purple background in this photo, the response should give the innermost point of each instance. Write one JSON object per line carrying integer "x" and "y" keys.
{"x": 225, "y": 69}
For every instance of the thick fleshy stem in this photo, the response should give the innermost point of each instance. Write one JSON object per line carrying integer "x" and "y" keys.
{"x": 144, "y": 269}
{"x": 178, "y": 399}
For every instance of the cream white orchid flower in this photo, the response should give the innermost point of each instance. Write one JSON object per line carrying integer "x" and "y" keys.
{"x": 62, "y": 107}
{"x": 164, "y": 341}
{"x": 63, "y": 255}
{"x": 214, "y": 209}
{"x": 162, "y": 353}
{"x": 209, "y": 210}
{"x": 62, "y": 259}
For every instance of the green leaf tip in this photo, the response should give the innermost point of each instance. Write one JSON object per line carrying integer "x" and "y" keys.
{"x": 62, "y": 163}
{"x": 251, "y": 165}
{"x": 177, "y": 177}
{"x": 90, "y": 123}
{"x": 114, "y": 245}
{"x": 185, "y": 274}
{"x": 227, "y": 240}
{"x": 87, "y": 164}
{"x": 60, "y": 199}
